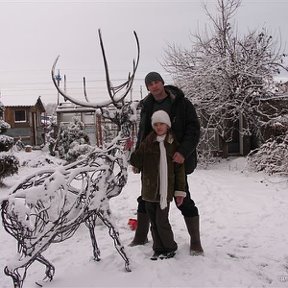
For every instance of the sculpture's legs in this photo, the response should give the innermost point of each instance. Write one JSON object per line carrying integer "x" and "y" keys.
{"x": 50, "y": 269}
{"x": 17, "y": 279}
{"x": 106, "y": 218}
{"x": 90, "y": 223}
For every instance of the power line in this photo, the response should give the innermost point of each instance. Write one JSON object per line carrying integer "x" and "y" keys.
{"x": 127, "y": 1}
{"x": 100, "y": 2}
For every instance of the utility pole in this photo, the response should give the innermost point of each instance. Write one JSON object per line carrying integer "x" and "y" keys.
{"x": 58, "y": 79}
{"x": 65, "y": 86}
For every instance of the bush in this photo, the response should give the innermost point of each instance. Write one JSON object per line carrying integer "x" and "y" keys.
{"x": 77, "y": 150}
{"x": 4, "y": 126}
{"x": 271, "y": 157}
{"x": 69, "y": 137}
{"x": 8, "y": 165}
{"x": 6, "y": 143}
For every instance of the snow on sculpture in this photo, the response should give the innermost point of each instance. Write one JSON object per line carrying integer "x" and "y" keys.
{"x": 50, "y": 205}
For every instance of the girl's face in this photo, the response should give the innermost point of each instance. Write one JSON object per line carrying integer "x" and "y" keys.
{"x": 160, "y": 128}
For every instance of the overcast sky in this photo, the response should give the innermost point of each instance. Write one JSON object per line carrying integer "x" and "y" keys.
{"x": 33, "y": 33}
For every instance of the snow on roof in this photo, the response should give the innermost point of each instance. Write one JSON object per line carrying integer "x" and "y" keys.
{"x": 19, "y": 101}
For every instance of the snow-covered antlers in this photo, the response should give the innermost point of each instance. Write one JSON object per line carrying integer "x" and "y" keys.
{"x": 48, "y": 206}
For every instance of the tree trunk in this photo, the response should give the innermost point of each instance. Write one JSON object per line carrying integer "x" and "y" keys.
{"x": 225, "y": 150}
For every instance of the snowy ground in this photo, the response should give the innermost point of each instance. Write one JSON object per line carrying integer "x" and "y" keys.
{"x": 244, "y": 234}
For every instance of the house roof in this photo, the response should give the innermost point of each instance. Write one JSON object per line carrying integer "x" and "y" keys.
{"x": 22, "y": 102}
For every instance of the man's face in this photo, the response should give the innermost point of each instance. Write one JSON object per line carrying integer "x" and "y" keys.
{"x": 156, "y": 88}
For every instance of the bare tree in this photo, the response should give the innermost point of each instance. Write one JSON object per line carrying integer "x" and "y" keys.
{"x": 226, "y": 75}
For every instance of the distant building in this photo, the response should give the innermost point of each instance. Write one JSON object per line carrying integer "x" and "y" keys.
{"x": 241, "y": 144}
{"x": 25, "y": 121}
{"x": 98, "y": 129}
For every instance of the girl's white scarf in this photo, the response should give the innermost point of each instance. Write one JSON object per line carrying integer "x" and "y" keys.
{"x": 163, "y": 174}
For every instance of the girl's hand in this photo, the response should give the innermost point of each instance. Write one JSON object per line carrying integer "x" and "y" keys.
{"x": 178, "y": 158}
{"x": 179, "y": 200}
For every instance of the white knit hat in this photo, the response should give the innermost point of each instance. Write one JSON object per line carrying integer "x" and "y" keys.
{"x": 160, "y": 116}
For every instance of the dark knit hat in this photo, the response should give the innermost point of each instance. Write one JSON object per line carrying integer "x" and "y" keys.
{"x": 153, "y": 76}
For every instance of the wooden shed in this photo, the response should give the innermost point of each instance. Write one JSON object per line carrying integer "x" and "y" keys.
{"x": 25, "y": 122}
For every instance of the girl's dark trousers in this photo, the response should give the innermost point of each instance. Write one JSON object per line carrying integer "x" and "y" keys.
{"x": 162, "y": 234}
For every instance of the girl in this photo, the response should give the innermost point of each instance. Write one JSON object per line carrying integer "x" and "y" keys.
{"x": 162, "y": 179}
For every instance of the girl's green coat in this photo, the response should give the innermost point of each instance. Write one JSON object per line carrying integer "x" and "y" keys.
{"x": 147, "y": 158}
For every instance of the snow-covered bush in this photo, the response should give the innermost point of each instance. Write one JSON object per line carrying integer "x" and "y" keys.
{"x": 19, "y": 145}
{"x": 4, "y": 126}
{"x": 77, "y": 150}
{"x": 6, "y": 143}
{"x": 72, "y": 137}
{"x": 8, "y": 165}
{"x": 271, "y": 157}
{"x": 49, "y": 134}
{"x": 39, "y": 162}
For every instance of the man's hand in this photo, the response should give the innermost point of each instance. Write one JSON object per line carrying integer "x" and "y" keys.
{"x": 179, "y": 200}
{"x": 135, "y": 170}
{"x": 178, "y": 158}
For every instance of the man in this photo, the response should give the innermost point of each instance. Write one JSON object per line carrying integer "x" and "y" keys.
{"x": 186, "y": 127}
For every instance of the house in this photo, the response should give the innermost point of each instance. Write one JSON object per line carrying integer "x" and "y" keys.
{"x": 276, "y": 117}
{"x": 274, "y": 107}
{"x": 67, "y": 111}
{"x": 98, "y": 128}
{"x": 25, "y": 121}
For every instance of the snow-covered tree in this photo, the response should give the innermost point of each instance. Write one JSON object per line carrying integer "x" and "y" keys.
{"x": 8, "y": 163}
{"x": 226, "y": 75}
{"x": 73, "y": 141}
{"x": 49, "y": 134}
{"x": 3, "y": 125}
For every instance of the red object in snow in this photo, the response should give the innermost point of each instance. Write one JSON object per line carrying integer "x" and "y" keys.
{"x": 129, "y": 144}
{"x": 132, "y": 224}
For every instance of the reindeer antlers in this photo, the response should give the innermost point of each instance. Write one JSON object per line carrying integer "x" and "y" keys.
{"x": 112, "y": 90}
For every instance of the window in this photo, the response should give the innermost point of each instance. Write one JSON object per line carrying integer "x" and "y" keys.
{"x": 20, "y": 116}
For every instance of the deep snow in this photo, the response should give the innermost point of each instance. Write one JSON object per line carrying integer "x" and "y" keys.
{"x": 243, "y": 226}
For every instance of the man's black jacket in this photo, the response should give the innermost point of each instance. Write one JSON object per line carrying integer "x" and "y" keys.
{"x": 184, "y": 120}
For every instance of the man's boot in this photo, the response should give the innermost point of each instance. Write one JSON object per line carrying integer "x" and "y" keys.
{"x": 142, "y": 230}
{"x": 192, "y": 224}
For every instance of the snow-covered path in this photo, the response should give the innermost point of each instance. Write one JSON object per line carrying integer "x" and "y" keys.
{"x": 244, "y": 233}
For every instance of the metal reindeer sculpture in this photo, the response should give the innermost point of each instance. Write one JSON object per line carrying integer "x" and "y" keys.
{"x": 50, "y": 205}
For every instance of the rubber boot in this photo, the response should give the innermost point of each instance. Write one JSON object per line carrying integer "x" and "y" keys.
{"x": 192, "y": 224}
{"x": 142, "y": 230}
